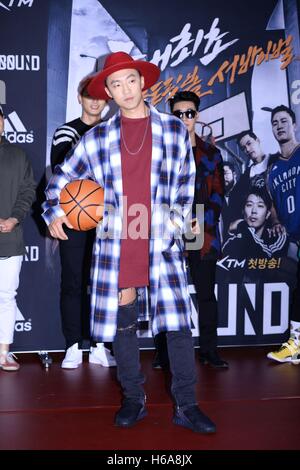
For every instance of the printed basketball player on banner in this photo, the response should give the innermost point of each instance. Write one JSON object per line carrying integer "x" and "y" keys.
{"x": 83, "y": 202}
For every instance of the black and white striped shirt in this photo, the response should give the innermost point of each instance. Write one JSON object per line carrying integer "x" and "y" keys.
{"x": 65, "y": 138}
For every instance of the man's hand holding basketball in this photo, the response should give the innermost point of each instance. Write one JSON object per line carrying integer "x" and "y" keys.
{"x": 56, "y": 227}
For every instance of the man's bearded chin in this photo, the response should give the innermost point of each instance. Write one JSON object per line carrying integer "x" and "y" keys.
{"x": 283, "y": 141}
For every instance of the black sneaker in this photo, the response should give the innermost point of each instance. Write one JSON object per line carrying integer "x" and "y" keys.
{"x": 191, "y": 417}
{"x": 213, "y": 359}
{"x": 130, "y": 412}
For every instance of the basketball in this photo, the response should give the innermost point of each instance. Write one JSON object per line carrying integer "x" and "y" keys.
{"x": 83, "y": 203}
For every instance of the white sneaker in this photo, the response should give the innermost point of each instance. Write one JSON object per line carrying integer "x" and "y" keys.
{"x": 72, "y": 358}
{"x": 7, "y": 361}
{"x": 101, "y": 355}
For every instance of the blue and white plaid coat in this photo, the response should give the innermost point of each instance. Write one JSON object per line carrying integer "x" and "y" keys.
{"x": 97, "y": 157}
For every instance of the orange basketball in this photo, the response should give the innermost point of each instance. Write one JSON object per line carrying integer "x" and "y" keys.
{"x": 83, "y": 203}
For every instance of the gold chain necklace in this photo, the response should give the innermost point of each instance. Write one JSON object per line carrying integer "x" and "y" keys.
{"x": 143, "y": 140}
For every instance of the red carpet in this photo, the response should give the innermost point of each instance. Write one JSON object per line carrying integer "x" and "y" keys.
{"x": 255, "y": 404}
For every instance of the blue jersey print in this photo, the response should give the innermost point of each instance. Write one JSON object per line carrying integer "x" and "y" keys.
{"x": 284, "y": 185}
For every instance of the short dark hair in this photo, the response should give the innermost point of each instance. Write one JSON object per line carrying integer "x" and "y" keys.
{"x": 281, "y": 108}
{"x": 230, "y": 165}
{"x": 1, "y": 111}
{"x": 83, "y": 85}
{"x": 242, "y": 134}
{"x": 184, "y": 96}
{"x": 262, "y": 193}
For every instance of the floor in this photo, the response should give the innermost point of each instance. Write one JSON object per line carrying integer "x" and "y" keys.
{"x": 255, "y": 404}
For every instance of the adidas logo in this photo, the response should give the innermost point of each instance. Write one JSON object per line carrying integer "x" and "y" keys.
{"x": 19, "y": 316}
{"x": 15, "y": 131}
{"x": 21, "y": 324}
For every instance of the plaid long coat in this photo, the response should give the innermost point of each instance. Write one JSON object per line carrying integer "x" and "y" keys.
{"x": 97, "y": 156}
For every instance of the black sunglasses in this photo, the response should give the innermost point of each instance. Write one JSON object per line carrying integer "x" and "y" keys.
{"x": 189, "y": 113}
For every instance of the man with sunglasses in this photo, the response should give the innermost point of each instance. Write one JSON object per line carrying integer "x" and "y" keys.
{"x": 209, "y": 190}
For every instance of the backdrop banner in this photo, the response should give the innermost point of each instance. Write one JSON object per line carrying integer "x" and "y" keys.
{"x": 241, "y": 58}
{"x": 23, "y": 93}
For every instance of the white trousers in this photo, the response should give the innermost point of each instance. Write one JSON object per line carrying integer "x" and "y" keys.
{"x": 9, "y": 282}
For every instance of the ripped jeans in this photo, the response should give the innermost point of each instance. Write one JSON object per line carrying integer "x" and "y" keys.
{"x": 127, "y": 354}
{"x": 126, "y": 351}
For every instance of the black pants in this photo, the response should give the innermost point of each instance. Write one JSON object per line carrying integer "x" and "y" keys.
{"x": 126, "y": 351}
{"x": 203, "y": 273}
{"x": 75, "y": 254}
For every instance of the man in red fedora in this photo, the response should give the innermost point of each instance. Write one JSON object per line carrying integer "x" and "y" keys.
{"x": 144, "y": 162}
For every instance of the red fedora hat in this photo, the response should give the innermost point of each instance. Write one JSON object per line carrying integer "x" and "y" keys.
{"x": 119, "y": 61}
